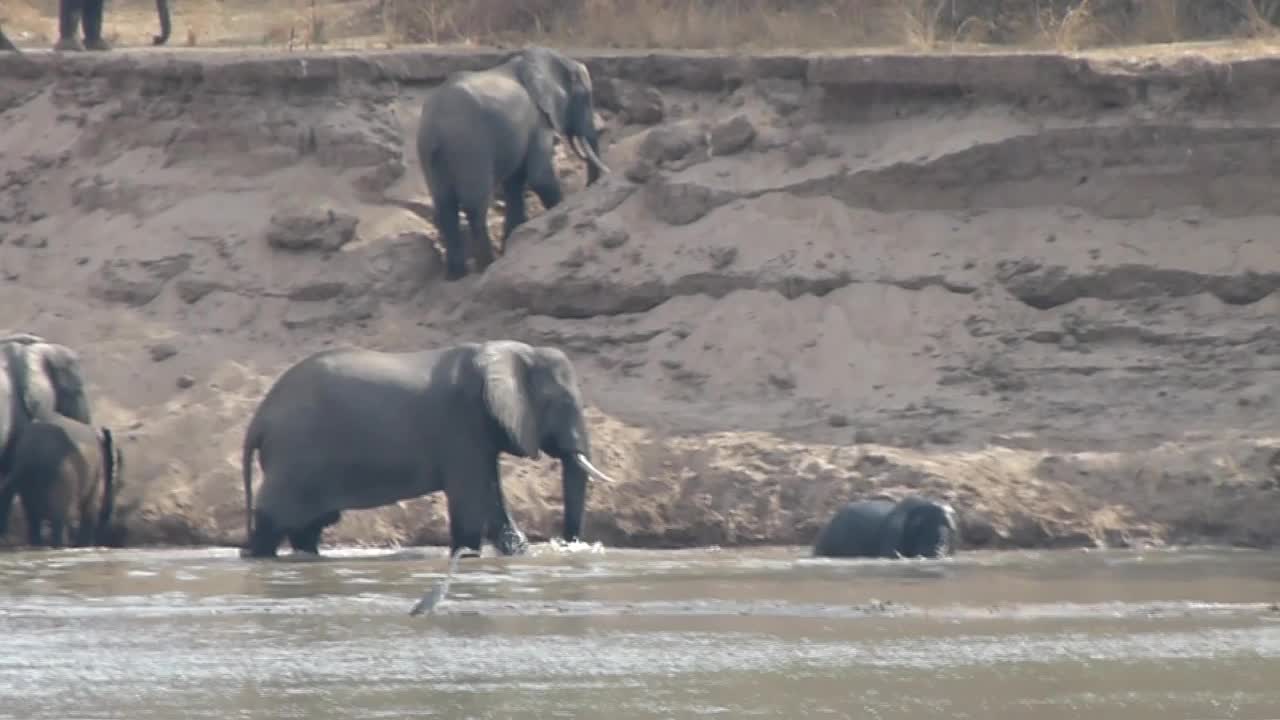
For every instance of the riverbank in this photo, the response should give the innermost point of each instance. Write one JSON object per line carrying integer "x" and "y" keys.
{"x": 1038, "y": 285}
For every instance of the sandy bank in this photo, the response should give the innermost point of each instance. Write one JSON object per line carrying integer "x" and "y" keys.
{"x": 1039, "y": 285}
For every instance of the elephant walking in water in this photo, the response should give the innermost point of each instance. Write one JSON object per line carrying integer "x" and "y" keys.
{"x": 495, "y": 129}
{"x": 911, "y": 527}
{"x": 68, "y": 473}
{"x": 354, "y": 428}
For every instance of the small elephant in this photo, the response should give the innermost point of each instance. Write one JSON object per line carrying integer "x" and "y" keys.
{"x": 486, "y": 129}
{"x": 68, "y": 473}
{"x": 880, "y": 527}
{"x": 355, "y": 428}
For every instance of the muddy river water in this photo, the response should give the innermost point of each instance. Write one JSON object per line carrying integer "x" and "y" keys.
{"x": 607, "y": 633}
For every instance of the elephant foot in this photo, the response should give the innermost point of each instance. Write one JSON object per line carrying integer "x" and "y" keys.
{"x": 97, "y": 44}
{"x": 68, "y": 44}
{"x": 512, "y": 542}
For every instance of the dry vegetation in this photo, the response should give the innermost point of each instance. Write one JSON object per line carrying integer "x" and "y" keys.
{"x": 739, "y": 24}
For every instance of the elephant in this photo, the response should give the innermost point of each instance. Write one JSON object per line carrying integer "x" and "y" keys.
{"x": 66, "y": 472}
{"x": 880, "y": 527}
{"x": 350, "y": 428}
{"x": 73, "y": 14}
{"x": 36, "y": 376}
{"x": 496, "y": 128}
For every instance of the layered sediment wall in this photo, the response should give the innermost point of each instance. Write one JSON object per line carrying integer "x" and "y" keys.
{"x": 1040, "y": 286}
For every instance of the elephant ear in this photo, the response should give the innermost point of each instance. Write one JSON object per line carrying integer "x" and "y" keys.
{"x": 506, "y": 392}
{"x": 535, "y": 73}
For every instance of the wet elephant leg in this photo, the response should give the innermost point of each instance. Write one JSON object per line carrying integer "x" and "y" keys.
{"x": 515, "y": 212}
{"x": 501, "y": 529}
{"x": 307, "y": 540}
{"x": 469, "y": 487}
{"x": 265, "y": 539}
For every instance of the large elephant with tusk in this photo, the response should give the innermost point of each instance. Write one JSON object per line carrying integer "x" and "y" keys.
{"x": 354, "y": 428}
{"x": 495, "y": 129}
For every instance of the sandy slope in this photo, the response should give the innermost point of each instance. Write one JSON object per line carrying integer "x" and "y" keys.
{"x": 1039, "y": 286}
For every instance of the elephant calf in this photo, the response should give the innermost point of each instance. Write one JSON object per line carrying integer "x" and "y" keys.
{"x": 911, "y": 527}
{"x": 68, "y": 473}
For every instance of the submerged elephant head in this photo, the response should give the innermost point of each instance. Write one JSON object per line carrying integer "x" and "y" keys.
{"x": 919, "y": 528}
{"x": 532, "y": 394}
{"x": 561, "y": 88}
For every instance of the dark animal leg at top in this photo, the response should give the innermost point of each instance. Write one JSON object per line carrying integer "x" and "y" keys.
{"x": 69, "y": 13}
{"x": 92, "y": 19}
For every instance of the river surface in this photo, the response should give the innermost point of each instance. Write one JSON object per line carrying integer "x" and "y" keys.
{"x": 605, "y": 633}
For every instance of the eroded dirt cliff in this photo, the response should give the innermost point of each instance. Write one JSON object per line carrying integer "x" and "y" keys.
{"x": 1039, "y": 286}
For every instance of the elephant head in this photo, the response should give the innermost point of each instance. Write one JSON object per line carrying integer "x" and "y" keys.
{"x": 532, "y": 394}
{"x": 919, "y": 528}
{"x": 44, "y": 373}
{"x": 561, "y": 88}
{"x": 112, "y": 468}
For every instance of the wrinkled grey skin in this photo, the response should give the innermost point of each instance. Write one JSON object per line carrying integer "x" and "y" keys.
{"x": 911, "y": 527}
{"x": 36, "y": 376}
{"x": 490, "y": 129}
{"x": 67, "y": 473}
{"x": 354, "y": 428}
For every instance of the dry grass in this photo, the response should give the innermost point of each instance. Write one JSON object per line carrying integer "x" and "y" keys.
{"x": 918, "y": 25}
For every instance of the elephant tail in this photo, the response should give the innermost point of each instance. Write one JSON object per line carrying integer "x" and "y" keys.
{"x": 252, "y": 442}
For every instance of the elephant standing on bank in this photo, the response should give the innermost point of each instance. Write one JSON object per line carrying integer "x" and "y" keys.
{"x": 911, "y": 527}
{"x": 74, "y": 14}
{"x": 354, "y": 428}
{"x": 36, "y": 377}
{"x": 68, "y": 473}
{"x": 496, "y": 128}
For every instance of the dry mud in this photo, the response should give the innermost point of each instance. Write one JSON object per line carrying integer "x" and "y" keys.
{"x": 1040, "y": 286}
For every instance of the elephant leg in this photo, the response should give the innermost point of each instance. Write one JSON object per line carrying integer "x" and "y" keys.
{"x": 6, "y": 504}
{"x": 307, "y": 540}
{"x": 502, "y": 531}
{"x": 513, "y": 199}
{"x": 481, "y": 245}
{"x": 34, "y": 511}
{"x": 266, "y": 536}
{"x": 540, "y": 172}
{"x": 469, "y": 488}
{"x": 455, "y": 256}
{"x": 92, "y": 19}
{"x": 69, "y": 12}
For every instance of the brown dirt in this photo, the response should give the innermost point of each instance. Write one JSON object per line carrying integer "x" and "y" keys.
{"x": 1038, "y": 285}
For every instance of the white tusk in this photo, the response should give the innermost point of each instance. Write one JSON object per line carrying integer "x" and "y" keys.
{"x": 592, "y": 469}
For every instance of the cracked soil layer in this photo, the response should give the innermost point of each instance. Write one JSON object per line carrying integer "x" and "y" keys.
{"x": 1039, "y": 286}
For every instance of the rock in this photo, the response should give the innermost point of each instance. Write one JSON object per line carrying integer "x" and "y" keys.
{"x": 162, "y": 351}
{"x": 732, "y": 135}
{"x": 643, "y": 106}
{"x": 191, "y": 290}
{"x": 324, "y": 230}
{"x": 679, "y": 203}
{"x": 634, "y": 103}
{"x": 136, "y": 283}
{"x": 317, "y": 291}
{"x": 669, "y": 144}
{"x": 404, "y": 263}
{"x": 185, "y": 381}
